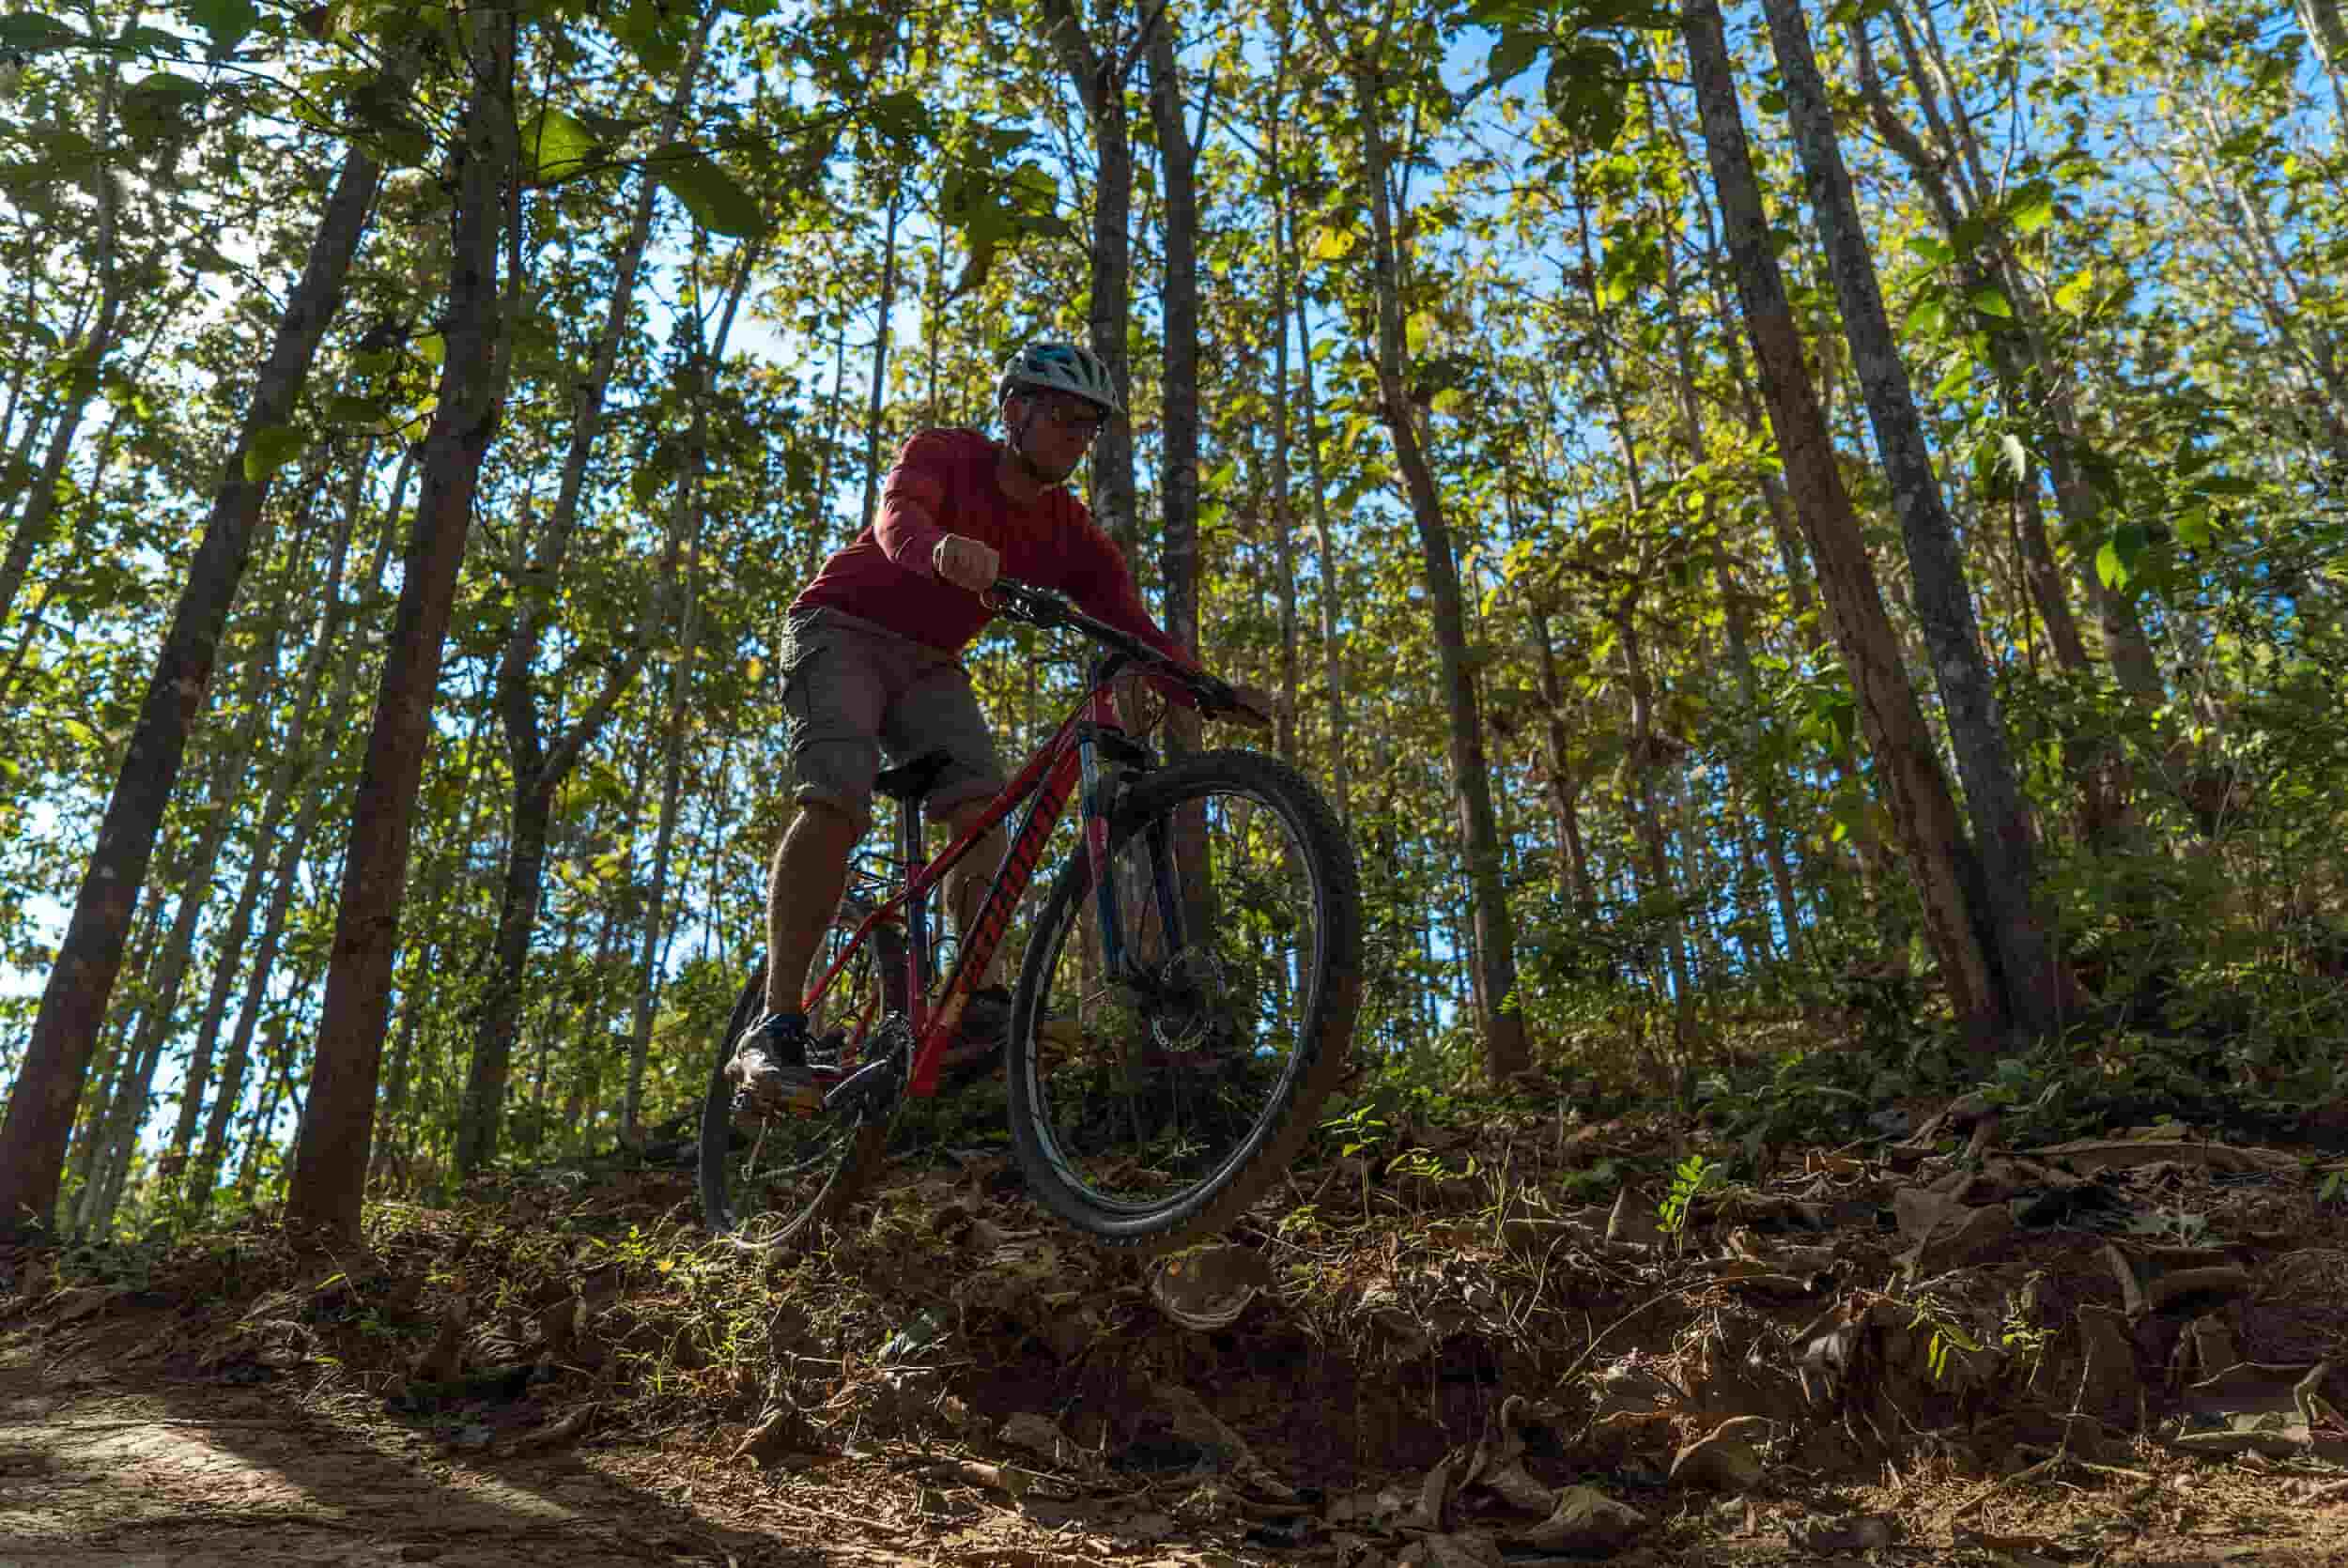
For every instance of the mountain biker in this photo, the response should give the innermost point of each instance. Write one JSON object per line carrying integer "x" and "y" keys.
{"x": 870, "y": 663}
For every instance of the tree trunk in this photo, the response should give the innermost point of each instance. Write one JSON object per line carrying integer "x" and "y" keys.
{"x": 1574, "y": 888}
{"x": 1329, "y": 599}
{"x": 2321, "y": 18}
{"x": 1177, "y": 467}
{"x": 276, "y": 1089}
{"x": 1283, "y": 519}
{"x": 672, "y": 789}
{"x": 1649, "y": 754}
{"x": 396, "y": 1081}
{"x": 229, "y": 952}
{"x": 880, "y": 367}
{"x": 31, "y": 1143}
{"x": 195, "y": 887}
{"x": 1501, "y": 1020}
{"x": 538, "y": 769}
{"x": 330, "y": 1164}
{"x": 1100, "y": 81}
{"x": 81, "y": 381}
{"x": 686, "y": 533}
{"x": 1645, "y": 750}
{"x": 2030, "y": 983}
{"x": 482, "y": 1116}
{"x": 1922, "y": 809}
{"x": 199, "y": 1067}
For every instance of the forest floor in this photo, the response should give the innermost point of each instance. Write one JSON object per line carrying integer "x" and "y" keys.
{"x": 2131, "y": 1349}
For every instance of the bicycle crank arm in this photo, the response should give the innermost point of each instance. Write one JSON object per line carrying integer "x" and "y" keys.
{"x": 868, "y": 1087}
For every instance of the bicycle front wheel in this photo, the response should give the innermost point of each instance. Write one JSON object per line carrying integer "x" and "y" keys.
{"x": 1152, "y": 1106}
{"x": 777, "y": 1184}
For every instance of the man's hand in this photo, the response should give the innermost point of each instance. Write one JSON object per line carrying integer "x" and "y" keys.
{"x": 1256, "y": 707}
{"x": 966, "y": 563}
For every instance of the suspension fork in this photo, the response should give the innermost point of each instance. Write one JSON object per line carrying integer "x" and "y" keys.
{"x": 1096, "y": 742}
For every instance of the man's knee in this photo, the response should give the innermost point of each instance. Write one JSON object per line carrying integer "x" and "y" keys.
{"x": 837, "y": 773}
{"x": 827, "y": 823}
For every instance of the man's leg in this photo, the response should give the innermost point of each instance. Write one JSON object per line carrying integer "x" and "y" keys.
{"x": 965, "y": 887}
{"x": 833, "y": 696}
{"x": 803, "y": 891}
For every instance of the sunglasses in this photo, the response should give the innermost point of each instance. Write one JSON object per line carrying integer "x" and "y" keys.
{"x": 1071, "y": 414}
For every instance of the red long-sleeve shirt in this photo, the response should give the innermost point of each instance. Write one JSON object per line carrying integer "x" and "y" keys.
{"x": 943, "y": 482}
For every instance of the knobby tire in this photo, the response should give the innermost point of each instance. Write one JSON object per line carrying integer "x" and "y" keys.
{"x": 863, "y": 1142}
{"x": 1317, "y": 1058}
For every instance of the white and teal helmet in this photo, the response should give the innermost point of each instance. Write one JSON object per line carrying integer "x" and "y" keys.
{"x": 1059, "y": 367}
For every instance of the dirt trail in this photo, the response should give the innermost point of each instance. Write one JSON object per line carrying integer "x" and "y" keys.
{"x": 195, "y": 1475}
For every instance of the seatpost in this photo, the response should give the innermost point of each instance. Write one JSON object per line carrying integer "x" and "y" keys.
{"x": 909, "y": 852}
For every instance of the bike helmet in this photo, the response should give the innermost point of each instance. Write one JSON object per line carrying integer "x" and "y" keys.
{"x": 1059, "y": 367}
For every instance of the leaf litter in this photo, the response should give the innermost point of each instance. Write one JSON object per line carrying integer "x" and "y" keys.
{"x": 2126, "y": 1349}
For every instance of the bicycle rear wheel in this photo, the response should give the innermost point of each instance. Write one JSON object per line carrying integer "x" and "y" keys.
{"x": 778, "y": 1185}
{"x": 1153, "y": 1108}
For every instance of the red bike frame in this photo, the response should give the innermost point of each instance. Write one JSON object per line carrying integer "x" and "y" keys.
{"x": 1052, "y": 774}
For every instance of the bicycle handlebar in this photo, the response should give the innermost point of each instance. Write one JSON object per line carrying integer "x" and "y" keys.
{"x": 1043, "y": 607}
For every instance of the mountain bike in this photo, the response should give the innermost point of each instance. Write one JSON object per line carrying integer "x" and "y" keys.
{"x": 1184, "y": 1006}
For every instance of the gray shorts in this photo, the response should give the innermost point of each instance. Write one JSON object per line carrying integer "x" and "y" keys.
{"x": 853, "y": 691}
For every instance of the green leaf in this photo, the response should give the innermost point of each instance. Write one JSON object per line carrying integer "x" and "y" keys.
{"x": 154, "y": 39}
{"x": 1513, "y": 53}
{"x": 1503, "y": 13}
{"x": 2034, "y": 212}
{"x": 30, "y": 33}
{"x": 901, "y": 116}
{"x": 163, "y": 84}
{"x": 555, "y": 145}
{"x": 977, "y": 265}
{"x": 2116, "y": 562}
{"x": 434, "y": 348}
{"x": 2192, "y": 527}
{"x": 1584, "y": 93}
{"x": 227, "y": 21}
{"x": 716, "y": 200}
{"x": 349, "y": 410}
{"x": 1989, "y": 301}
{"x": 2016, "y": 456}
{"x": 654, "y": 473}
{"x": 2072, "y": 296}
{"x": 273, "y": 446}
{"x": 1927, "y": 317}
{"x": 1333, "y": 244}
{"x": 155, "y": 108}
{"x": 641, "y": 26}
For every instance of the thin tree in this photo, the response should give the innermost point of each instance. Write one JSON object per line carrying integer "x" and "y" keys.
{"x": 331, "y": 1152}
{"x": 1501, "y": 1018}
{"x": 73, "y": 1002}
{"x": 1924, "y": 812}
{"x": 540, "y": 763}
{"x": 2032, "y": 988}
{"x": 1100, "y": 74}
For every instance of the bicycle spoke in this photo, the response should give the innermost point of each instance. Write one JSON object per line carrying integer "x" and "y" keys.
{"x": 1172, "y": 1075}
{"x": 773, "y": 1183}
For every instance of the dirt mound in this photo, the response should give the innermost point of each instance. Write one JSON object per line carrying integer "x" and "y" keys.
{"x": 2116, "y": 1346}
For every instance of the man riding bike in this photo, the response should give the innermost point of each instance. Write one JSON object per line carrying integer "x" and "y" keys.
{"x": 871, "y": 664}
